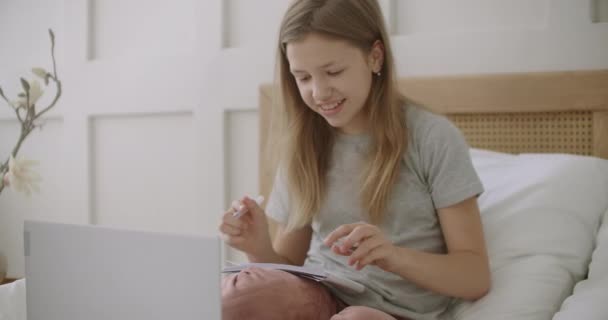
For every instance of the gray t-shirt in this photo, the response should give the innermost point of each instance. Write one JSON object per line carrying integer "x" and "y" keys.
{"x": 436, "y": 172}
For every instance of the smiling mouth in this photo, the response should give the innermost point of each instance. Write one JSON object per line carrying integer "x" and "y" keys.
{"x": 332, "y": 106}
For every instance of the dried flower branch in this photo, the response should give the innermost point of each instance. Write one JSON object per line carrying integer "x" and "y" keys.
{"x": 17, "y": 172}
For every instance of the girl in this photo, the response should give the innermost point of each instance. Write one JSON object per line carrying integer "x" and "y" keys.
{"x": 368, "y": 187}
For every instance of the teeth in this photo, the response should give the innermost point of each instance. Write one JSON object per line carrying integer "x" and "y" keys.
{"x": 332, "y": 106}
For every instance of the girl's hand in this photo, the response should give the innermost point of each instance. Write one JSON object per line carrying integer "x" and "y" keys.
{"x": 249, "y": 233}
{"x": 364, "y": 243}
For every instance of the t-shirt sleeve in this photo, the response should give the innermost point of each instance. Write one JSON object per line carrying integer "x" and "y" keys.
{"x": 277, "y": 207}
{"x": 447, "y": 164}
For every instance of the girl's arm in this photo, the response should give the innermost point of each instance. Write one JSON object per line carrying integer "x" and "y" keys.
{"x": 464, "y": 271}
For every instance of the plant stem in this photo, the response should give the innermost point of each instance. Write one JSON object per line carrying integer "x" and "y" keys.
{"x": 57, "y": 95}
{"x": 55, "y": 79}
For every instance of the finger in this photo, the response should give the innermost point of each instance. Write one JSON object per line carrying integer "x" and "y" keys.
{"x": 338, "y": 233}
{"x": 230, "y": 230}
{"x": 359, "y": 233}
{"x": 364, "y": 249}
{"x": 371, "y": 257}
{"x": 228, "y": 218}
{"x": 233, "y": 241}
{"x": 338, "y": 250}
{"x": 253, "y": 207}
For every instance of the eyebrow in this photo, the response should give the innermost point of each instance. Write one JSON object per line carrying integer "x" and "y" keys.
{"x": 321, "y": 67}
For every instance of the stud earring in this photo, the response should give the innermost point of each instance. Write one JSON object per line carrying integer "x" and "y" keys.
{"x": 378, "y": 73}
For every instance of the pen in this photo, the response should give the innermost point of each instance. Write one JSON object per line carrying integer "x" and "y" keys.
{"x": 237, "y": 214}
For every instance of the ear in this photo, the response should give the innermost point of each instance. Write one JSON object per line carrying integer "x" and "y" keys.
{"x": 376, "y": 56}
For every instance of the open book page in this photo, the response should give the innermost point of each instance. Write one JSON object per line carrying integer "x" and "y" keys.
{"x": 316, "y": 274}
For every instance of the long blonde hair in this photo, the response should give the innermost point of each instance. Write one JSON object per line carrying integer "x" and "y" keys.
{"x": 306, "y": 139}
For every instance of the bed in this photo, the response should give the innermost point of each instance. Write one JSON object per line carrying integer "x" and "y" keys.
{"x": 539, "y": 142}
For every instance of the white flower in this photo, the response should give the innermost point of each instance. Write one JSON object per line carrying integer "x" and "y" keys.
{"x": 39, "y": 72}
{"x": 21, "y": 176}
{"x": 35, "y": 94}
{"x": 42, "y": 74}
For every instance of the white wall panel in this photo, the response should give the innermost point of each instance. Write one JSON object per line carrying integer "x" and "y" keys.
{"x": 47, "y": 147}
{"x": 242, "y": 163}
{"x": 247, "y": 23}
{"x": 143, "y": 27}
{"x": 498, "y": 52}
{"x": 566, "y": 14}
{"x": 143, "y": 172}
{"x": 139, "y": 85}
{"x": 235, "y": 77}
{"x": 390, "y": 14}
{"x": 568, "y": 41}
{"x": 438, "y": 16}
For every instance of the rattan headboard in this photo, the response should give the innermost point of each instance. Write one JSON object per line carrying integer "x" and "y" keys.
{"x": 561, "y": 112}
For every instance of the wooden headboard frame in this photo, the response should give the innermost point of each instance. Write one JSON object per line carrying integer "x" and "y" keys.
{"x": 565, "y": 112}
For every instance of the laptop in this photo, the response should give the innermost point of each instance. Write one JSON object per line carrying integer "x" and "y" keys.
{"x": 78, "y": 272}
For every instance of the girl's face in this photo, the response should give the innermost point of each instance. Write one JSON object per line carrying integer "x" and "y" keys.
{"x": 334, "y": 78}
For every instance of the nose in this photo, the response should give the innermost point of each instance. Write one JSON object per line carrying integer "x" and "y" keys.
{"x": 321, "y": 90}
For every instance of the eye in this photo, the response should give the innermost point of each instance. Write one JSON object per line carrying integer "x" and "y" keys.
{"x": 303, "y": 78}
{"x": 334, "y": 73}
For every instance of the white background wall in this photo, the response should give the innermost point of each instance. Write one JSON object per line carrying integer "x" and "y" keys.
{"x": 157, "y": 128}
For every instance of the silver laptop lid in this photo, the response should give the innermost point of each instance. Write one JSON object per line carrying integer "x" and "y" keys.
{"x": 76, "y": 272}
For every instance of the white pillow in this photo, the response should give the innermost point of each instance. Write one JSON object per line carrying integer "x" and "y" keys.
{"x": 482, "y": 155}
{"x": 590, "y": 298}
{"x": 540, "y": 213}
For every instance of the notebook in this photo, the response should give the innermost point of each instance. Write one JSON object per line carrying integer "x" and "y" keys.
{"x": 76, "y": 272}
{"x": 311, "y": 273}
